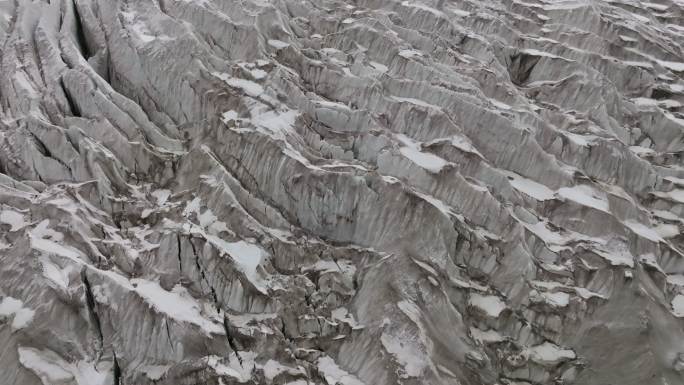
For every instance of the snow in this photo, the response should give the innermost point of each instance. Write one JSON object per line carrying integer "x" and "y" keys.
{"x": 273, "y": 368}
{"x": 417, "y": 102}
{"x": 640, "y": 151}
{"x": 643, "y": 231}
{"x": 342, "y": 314}
{"x": 49, "y": 372}
{"x": 651, "y": 260}
{"x": 379, "y": 67}
{"x": 673, "y": 66}
{"x": 580, "y": 140}
{"x": 247, "y": 256}
{"x": 278, "y": 44}
{"x": 549, "y": 353}
{"x": 13, "y": 307}
{"x": 678, "y": 305}
{"x": 464, "y": 144}
{"x": 425, "y": 267}
{"x": 277, "y": 122}
{"x": 547, "y": 235}
{"x": 54, "y": 273}
{"x": 657, "y": 7}
{"x": 616, "y": 256}
{"x": 586, "y": 196}
{"x": 491, "y": 305}
{"x": 52, "y": 369}
{"x": 440, "y": 205}
{"x": 249, "y": 87}
{"x": 460, "y": 12}
{"x": 335, "y": 375}
{"x": 586, "y": 293}
{"x": 155, "y": 372}
{"x": 485, "y": 336}
{"x": 12, "y": 218}
{"x": 428, "y": 161}
{"x": 529, "y": 187}
{"x": 409, "y": 53}
{"x": 555, "y": 299}
{"x": 676, "y": 195}
{"x": 422, "y": 7}
{"x": 47, "y": 240}
{"x": 536, "y": 52}
{"x": 228, "y": 116}
{"x": 162, "y": 196}
{"x": 406, "y": 351}
{"x": 676, "y": 279}
{"x": 177, "y": 304}
{"x": 242, "y": 372}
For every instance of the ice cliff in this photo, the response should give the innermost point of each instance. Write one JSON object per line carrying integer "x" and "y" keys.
{"x": 369, "y": 192}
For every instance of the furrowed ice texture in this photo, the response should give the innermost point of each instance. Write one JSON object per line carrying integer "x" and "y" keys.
{"x": 323, "y": 192}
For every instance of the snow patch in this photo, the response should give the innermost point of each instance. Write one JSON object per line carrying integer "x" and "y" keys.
{"x": 490, "y": 304}
{"x": 12, "y": 218}
{"x": 13, "y": 307}
{"x": 335, "y": 375}
{"x": 177, "y": 304}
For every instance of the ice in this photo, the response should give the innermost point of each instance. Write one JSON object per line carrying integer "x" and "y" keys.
{"x": 13, "y": 218}
{"x": 491, "y": 305}
{"x": 13, "y": 307}
{"x": 586, "y": 196}
{"x": 177, "y": 304}
{"x": 333, "y": 374}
